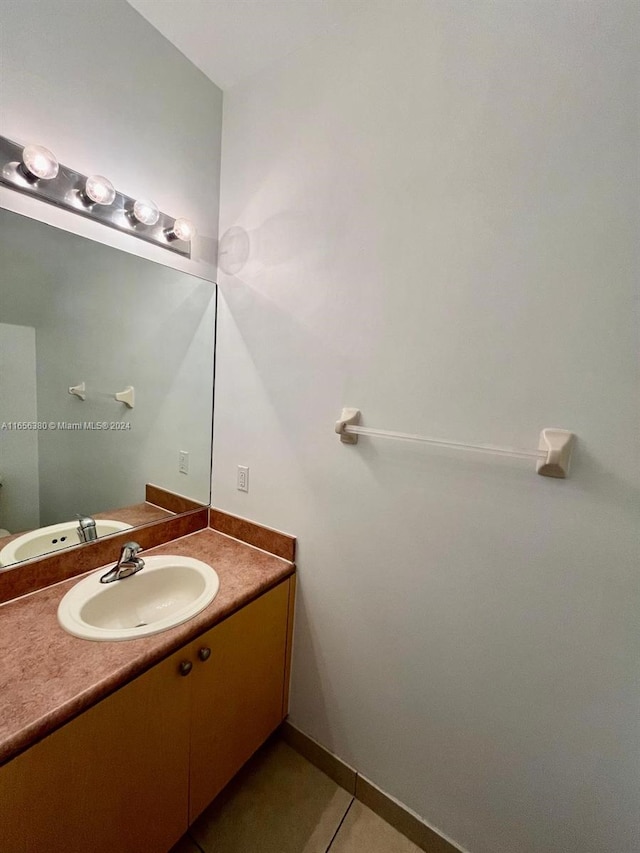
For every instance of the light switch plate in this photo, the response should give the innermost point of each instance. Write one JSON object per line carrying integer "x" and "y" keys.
{"x": 243, "y": 478}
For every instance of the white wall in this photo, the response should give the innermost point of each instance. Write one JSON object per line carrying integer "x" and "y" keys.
{"x": 440, "y": 208}
{"x": 19, "y": 496}
{"x": 100, "y": 87}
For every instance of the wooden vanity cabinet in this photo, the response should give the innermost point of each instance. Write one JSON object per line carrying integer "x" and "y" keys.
{"x": 131, "y": 773}
{"x": 237, "y": 692}
{"x": 114, "y": 779}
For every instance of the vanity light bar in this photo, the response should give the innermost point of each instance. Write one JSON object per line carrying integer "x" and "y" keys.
{"x": 35, "y": 171}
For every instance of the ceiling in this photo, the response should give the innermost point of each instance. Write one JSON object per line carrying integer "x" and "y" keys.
{"x": 232, "y": 39}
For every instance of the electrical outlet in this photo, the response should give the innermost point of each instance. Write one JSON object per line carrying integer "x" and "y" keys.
{"x": 243, "y": 478}
{"x": 183, "y": 461}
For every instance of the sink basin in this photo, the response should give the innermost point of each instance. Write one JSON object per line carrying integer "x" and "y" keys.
{"x": 167, "y": 592}
{"x": 44, "y": 540}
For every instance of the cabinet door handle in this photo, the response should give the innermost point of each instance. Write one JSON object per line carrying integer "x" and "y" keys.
{"x": 204, "y": 653}
{"x": 185, "y": 667}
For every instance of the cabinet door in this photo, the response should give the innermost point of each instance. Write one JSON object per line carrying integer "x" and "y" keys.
{"x": 237, "y": 693}
{"x": 114, "y": 779}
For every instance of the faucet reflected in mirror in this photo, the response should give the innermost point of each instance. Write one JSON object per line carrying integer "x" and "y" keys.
{"x": 63, "y": 299}
{"x": 86, "y": 528}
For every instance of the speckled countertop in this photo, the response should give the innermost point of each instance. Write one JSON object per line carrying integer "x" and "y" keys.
{"x": 47, "y": 677}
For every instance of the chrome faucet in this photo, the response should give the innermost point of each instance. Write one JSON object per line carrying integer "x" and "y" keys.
{"x": 128, "y": 564}
{"x": 86, "y": 528}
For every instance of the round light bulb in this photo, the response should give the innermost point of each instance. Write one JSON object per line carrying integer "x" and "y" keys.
{"x": 184, "y": 229}
{"x": 146, "y": 211}
{"x": 99, "y": 190}
{"x": 40, "y": 162}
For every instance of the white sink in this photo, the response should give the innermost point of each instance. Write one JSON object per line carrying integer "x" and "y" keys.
{"x": 44, "y": 540}
{"x": 166, "y": 592}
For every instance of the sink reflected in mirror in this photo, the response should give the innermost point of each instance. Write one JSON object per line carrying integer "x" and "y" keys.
{"x": 166, "y": 592}
{"x": 76, "y": 312}
{"x": 55, "y": 537}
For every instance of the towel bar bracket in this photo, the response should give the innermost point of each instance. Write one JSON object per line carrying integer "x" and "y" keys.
{"x": 349, "y": 417}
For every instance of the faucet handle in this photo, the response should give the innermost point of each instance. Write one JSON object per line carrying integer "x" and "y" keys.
{"x": 128, "y": 564}
{"x": 129, "y": 551}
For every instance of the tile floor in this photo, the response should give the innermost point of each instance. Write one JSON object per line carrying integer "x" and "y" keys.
{"x": 280, "y": 803}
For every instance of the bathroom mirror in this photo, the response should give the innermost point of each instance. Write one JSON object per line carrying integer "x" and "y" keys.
{"x": 74, "y": 312}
